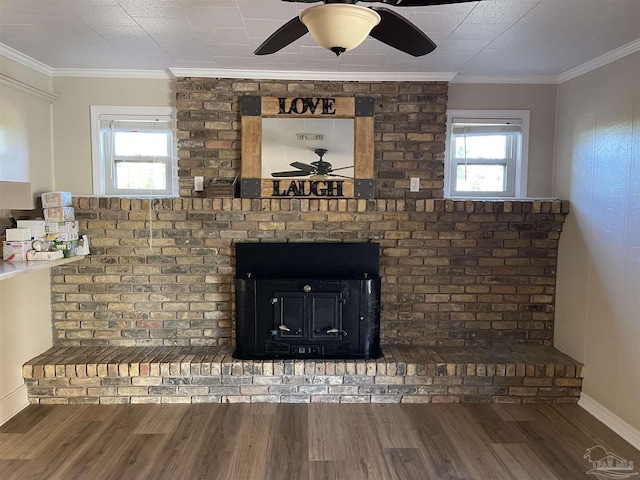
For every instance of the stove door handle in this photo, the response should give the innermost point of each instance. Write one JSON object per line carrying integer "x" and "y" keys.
{"x": 284, "y": 328}
{"x": 335, "y": 330}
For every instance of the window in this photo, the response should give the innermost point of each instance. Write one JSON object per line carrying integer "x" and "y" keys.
{"x": 486, "y": 153}
{"x": 133, "y": 151}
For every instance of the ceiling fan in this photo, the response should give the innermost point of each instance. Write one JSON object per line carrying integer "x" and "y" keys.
{"x": 318, "y": 168}
{"x": 340, "y": 25}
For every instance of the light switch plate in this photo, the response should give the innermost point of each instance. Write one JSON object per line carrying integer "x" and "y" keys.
{"x": 414, "y": 186}
{"x": 198, "y": 183}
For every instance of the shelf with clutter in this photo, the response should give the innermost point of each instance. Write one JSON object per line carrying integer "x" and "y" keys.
{"x": 12, "y": 269}
{"x": 44, "y": 243}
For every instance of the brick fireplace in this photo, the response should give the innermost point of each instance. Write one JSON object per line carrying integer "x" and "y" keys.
{"x": 453, "y": 273}
{"x": 467, "y": 293}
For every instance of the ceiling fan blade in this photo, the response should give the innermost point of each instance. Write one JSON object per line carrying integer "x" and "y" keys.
{"x": 286, "y": 34}
{"x": 341, "y": 176}
{"x": 415, "y": 3}
{"x": 292, "y": 173}
{"x": 341, "y": 168}
{"x": 302, "y": 166}
{"x": 398, "y": 32}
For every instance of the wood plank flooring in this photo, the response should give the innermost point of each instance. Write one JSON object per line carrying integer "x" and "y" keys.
{"x": 304, "y": 442}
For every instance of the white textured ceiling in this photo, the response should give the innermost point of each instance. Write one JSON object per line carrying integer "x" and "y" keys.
{"x": 488, "y": 37}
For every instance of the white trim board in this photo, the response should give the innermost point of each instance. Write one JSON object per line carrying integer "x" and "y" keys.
{"x": 316, "y": 75}
{"x": 11, "y": 82}
{"x": 453, "y": 77}
{"x": 13, "y": 403}
{"x": 600, "y": 61}
{"x": 25, "y": 60}
{"x": 500, "y": 79}
{"x": 611, "y": 420}
{"x": 112, "y": 73}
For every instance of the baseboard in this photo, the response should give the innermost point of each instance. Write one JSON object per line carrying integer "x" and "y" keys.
{"x": 611, "y": 420}
{"x": 12, "y": 403}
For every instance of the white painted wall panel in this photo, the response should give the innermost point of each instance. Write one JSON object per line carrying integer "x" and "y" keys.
{"x": 598, "y": 290}
{"x": 25, "y": 332}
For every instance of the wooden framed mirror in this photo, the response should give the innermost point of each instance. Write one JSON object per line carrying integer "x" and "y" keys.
{"x": 307, "y": 147}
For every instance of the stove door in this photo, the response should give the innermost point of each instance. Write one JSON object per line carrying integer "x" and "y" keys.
{"x": 325, "y": 315}
{"x": 313, "y": 316}
{"x": 307, "y": 318}
{"x": 289, "y": 313}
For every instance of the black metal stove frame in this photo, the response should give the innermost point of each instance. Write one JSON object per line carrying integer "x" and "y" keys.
{"x": 307, "y": 300}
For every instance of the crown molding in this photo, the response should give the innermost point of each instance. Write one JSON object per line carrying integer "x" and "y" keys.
{"x": 111, "y": 73}
{"x": 451, "y": 77}
{"x": 600, "y": 61}
{"x": 530, "y": 79}
{"x": 315, "y": 75}
{"x": 25, "y": 60}
{"x": 11, "y": 82}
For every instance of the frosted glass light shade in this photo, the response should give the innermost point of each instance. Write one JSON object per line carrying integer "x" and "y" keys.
{"x": 339, "y": 25}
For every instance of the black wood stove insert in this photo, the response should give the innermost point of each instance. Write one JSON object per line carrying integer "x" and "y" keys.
{"x": 307, "y": 300}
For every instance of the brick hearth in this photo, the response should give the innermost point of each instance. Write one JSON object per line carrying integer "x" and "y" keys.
{"x": 107, "y": 375}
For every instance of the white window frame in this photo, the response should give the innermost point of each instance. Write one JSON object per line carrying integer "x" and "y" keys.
{"x": 516, "y": 175}
{"x": 103, "y": 164}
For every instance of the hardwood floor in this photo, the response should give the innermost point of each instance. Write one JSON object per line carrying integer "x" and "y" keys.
{"x": 304, "y": 442}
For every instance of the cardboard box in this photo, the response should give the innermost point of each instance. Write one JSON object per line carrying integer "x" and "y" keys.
{"x": 62, "y": 237}
{"x": 61, "y": 227}
{"x": 18, "y": 234}
{"x": 15, "y": 251}
{"x": 59, "y": 214}
{"x": 56, "y": 199}
{"x": 62, "y": 231}
{"x": 37, "y": 227}
{"x": 32, "y": 255}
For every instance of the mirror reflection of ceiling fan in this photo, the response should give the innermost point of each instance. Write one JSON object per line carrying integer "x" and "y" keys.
{"x": 340, "y": 25}
{"x": 319, "y": 168}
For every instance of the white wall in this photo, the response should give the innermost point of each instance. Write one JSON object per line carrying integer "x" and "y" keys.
{"x": 598, "y": 289}
{"x": 71, "y": 117}
{"x": 540, "y": 100}
{"x": 25, "y": 154}
{"x": 25, "y": 332}
{"x": 25, "y": 127}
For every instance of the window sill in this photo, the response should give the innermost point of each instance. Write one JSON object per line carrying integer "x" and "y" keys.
{"x": 503, "y": 199}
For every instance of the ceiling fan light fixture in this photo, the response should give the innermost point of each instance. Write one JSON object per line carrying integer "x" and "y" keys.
{"x": 339, "y": 26}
